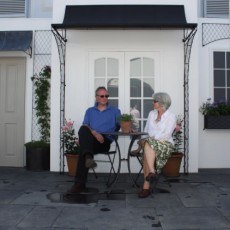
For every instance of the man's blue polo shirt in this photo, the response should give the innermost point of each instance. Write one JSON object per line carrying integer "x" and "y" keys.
{"x": 102, "y": 121}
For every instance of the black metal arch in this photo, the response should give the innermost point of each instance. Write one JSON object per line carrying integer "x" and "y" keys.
{"x": 187, "y": 53}
{"x": 61, "y": 45}
{"x": 188, "y": 41}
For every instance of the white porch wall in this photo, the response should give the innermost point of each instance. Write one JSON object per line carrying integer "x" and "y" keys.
{"x": 78, "y": 97}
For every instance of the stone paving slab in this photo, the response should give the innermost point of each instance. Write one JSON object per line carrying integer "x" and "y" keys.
{"x": 116, "y": 218}
{"x": 11, "y": 215}
{"x": 192, "y": 218}
{"x": 43, "y": 217}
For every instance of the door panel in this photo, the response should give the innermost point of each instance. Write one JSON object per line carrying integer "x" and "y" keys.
{"x": 12, "y": 106}
{"x": 131, "y": 78}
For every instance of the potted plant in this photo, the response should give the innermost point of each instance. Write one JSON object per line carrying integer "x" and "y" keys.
{"x": 71, "y": 147}
{"x": 216, "y": 114}
{"x": 38, "y": 152}
{"x": 126, "y": 122}
{"x": 172, "y": 167}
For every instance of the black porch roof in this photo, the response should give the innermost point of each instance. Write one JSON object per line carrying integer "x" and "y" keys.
{"x": 15, "y": 40}
{"x": 124, "y": 16}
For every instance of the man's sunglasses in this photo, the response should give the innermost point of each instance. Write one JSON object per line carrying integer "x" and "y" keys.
{"x": 102, "y": 96}
{"x": 154, "y": 101}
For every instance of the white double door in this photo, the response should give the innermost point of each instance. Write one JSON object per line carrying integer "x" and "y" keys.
{"x": 131, "y": 78}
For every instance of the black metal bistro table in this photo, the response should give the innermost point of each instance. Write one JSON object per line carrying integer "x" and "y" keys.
{"x": 133, "y": 136}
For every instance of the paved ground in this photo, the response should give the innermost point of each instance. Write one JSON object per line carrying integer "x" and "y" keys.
{"x": 36, "y": 200}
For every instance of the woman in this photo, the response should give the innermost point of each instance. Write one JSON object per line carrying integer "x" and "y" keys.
{"x": 159, "y": 144}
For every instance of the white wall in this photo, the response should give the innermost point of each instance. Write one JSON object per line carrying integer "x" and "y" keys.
{"x": 214, "y": 145}
{"x": 40, "y": 9}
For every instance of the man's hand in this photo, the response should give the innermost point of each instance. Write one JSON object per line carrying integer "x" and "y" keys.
{"x": 98, "y": 136}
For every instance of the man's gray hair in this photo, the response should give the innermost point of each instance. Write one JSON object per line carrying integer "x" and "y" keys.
{"x": 163, "y": 99}
{"x": 99, "y": 88}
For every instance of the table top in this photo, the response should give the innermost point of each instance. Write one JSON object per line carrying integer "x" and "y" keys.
{"x": 125, "y": 134}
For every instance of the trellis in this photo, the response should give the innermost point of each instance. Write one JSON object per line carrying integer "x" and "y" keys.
{"x": 41, "y": 58}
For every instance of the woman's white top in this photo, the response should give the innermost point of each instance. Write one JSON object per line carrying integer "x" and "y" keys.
{"x": 161, "y": 130}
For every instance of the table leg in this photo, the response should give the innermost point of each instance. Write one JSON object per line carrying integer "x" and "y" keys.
{"x": 128, "y": 161}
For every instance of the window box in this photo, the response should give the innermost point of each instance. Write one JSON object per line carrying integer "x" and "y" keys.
{"x": 217, "y": 122}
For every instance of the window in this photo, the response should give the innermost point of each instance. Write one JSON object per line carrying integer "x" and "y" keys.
{"x": 214, "y": 8}
{"x": 221, "y": 76}
{"x": 13, "y": 8}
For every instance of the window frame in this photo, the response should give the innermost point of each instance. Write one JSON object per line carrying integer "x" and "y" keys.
{"x": 226, "y": 69}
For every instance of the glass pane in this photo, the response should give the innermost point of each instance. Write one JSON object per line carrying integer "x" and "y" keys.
{"x": 135, "y": 67}
{"x": 144, "y": 124}
{"x": 135, "y": 87}
{"x": 112, "y": 67}
{"x": 148, "y": 106}
{"x": 228, "y": 78}
{"x": 219, "y": 94}
{"x": 228, "y": 95}
{"x": 148, "y": 67}
{"x": 219, "y": 78}
{"x": 99, "y": 67}
{"x": 113, "y": 102}
{"x": 228, "y": 60}
{"x": 219, "y": 59}
{"x": 113, "y": 87}
{"x": 148, "y": 87}
{"x": 135, "y": 110}
{"x": 99, "y": 82}
{"x": 135, "y": 104}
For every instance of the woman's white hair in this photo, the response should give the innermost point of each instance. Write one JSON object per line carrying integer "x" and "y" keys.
{"x": 163, "y": 99}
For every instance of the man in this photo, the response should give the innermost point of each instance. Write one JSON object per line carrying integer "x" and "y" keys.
{"x": 98, "y": 119}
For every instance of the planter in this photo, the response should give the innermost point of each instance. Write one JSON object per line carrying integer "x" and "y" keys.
{"x": 72, "y": 162}
{"x": 38, "y": 159}
{"x": 217, "y": 122}
{"x": 126, "y": 126}
{"x": 172, "y": 167}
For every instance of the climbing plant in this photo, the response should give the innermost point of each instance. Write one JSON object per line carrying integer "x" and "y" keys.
{"x": 42, "y": 89}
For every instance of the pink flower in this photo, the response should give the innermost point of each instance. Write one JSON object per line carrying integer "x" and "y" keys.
{"x": 178, "y": 127}
{"x": 65, "y": 128}
{"x": 69, "y": 124}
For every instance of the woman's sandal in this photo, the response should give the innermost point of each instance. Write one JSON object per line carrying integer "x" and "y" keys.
{"x": 136, "y": 152}
{"x": 144, "y": 193}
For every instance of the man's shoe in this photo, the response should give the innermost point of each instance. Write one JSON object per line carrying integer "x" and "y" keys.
{"x": 144, "y": 193}
{"x": 90, "y": 162}
{"x": 76, "y": 188}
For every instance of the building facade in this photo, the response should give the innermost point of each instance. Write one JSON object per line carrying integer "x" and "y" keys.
{"x": 132, "y": 62}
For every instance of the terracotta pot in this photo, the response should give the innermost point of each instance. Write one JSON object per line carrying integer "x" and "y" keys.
{"x": 172, "y": 167}
{"x": 126, "y": 126}
{"x": 72, "y": 162}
